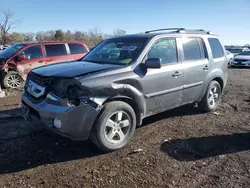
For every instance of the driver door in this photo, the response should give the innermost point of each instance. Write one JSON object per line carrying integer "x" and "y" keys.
{"x": 33, "y": 59}
{"x": 163, "y": 87}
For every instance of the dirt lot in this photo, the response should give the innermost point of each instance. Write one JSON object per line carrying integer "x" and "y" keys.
{"x": 179, "y": 148}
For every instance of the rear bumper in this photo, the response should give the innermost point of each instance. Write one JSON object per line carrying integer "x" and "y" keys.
{"x": 76, "y": 121}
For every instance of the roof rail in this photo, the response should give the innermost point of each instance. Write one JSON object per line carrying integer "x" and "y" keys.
{"x": 181, "y": 30}
{"x": 198, "y": 31}
{"x": 165, "y": 29}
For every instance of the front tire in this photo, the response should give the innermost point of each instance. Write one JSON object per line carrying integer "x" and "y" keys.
{"x": 115, "y": 126}
{"x": 13, "y": 80}
{"x": 212, "y": 97}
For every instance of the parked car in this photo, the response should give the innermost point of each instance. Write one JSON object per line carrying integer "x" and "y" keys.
{"x": 3, "y": 47}
{"x": 241, "y": 60}
{"x": 235, "y": 51}
{"x": 245, "y": 49}
{"x": 16, "y": 61}
{"x": 105, "y": 97}
{"x": 230, "y": 56}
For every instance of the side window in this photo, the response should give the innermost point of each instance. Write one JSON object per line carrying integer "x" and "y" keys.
{"x": 33, "y": 52}
{"x": 77, "y": 49}
{"x": 216, "y": 47}
{"x": 193, "y": 49}
{"x": 165, "y": 49}
{"x": 55, "y": 50}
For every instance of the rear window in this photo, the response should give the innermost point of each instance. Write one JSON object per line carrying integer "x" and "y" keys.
{"x": 55, "y": 50}
{"x": 77, "y": 49}
{"x": 193, "y": 49}
{"x": 216, "y": 47}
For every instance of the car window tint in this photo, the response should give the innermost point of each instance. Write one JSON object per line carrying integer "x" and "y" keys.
{"x": 55, "y": 50}
{"x": 216, "y": 47}
{"x": 120, "y": 51}
{"x": 192, "y": 49}
{"x": 165, "y": 49}
{"x": 77, "y": 49}
{"x": 33, "y": 52}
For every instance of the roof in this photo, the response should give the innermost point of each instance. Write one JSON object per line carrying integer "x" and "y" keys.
{"x": 49, "y": 42}
{"x": 178, "y": 31}
{"x": 139, "y": 35}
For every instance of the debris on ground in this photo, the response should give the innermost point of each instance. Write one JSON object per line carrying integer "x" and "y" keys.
{"x": 216, "y": 113}
{"x": 136, "y": 151}
{"x": 199, "y": 149}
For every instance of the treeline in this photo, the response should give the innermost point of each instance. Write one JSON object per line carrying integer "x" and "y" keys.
{"x": 91, "y": 37}
{"x": 237, "y": 46}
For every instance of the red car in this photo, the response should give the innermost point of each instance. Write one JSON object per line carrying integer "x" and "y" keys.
{"x": 17, "y": 60}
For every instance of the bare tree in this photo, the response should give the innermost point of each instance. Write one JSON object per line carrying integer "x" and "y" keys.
{"x": 59, "y": 35}
{"x": 118, "y": 32}
{"x": 16, "y": 37}
{"x": 95, "y": 35}
{"x": 28, "y": 37}
{"x": 6, "y": 24}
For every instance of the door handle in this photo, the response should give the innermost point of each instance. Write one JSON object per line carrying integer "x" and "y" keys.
{"x": 176, "y": 74}
{"x": 49, "y": 60}
{"x": 41, "y": 61}
{"x": 205, "y": 68}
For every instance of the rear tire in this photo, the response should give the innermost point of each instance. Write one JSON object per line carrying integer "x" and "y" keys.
{"x": 212, "y": 97}
{"x": 13, "y": 80}
{"x": 115, "y": 126}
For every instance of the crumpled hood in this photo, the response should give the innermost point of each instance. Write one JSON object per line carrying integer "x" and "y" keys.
{"x": 242, "y": 57}
{"x": 72, "y": 69}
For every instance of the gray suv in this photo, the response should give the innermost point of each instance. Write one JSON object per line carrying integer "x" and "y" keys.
{"x": 125, "y": 79}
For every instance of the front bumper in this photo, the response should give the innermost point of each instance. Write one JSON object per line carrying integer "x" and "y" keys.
{"x": 76, "y": 121}
{"x": 238, "y": 64}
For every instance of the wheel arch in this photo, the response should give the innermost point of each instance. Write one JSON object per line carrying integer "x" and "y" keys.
{"x": 215, "y": 77}
{"x": 220, "y": 81}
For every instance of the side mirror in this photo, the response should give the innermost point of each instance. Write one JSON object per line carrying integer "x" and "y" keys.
{"x": 153, "y": 63}
{"x": 21, "y": 57}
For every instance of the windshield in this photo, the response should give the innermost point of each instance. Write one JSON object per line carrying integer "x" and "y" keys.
{"x": 244, "y": 53}
{"x": 117, "y": 51}
{"x": 8, "y": 52}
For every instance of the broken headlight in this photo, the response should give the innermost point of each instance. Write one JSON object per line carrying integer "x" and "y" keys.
{"x": 72, "y": 90}
{"x": 76, "y": 97}
{"x": 73, "y": 95}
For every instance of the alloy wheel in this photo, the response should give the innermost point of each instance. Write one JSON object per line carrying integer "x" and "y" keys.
{"x": 214, "y": 96}
{"x": 117, "y": 127}
{"x": 14, "y": 81}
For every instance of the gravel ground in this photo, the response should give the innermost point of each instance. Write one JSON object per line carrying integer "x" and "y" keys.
{"x": 178, "y": 148}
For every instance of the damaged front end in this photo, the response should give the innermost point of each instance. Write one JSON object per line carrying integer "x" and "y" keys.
{"x": 63, "y": 105}
{"x": 72, "y": 92}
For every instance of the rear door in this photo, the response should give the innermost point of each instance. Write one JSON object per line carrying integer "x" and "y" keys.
{"x": 56, "y": 53}
{"x": 196, "y": 66}
{"x": 77, "y": 50}
{"x": 33, "y": 58}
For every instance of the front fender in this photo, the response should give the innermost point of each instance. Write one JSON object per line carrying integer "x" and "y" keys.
{"x": 125, "y": 91}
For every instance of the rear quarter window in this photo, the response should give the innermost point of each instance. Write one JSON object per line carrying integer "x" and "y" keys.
{"x": 77, "y": 49}
{"x": 55, "y": 50}
{"x": 216, "y": 47}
